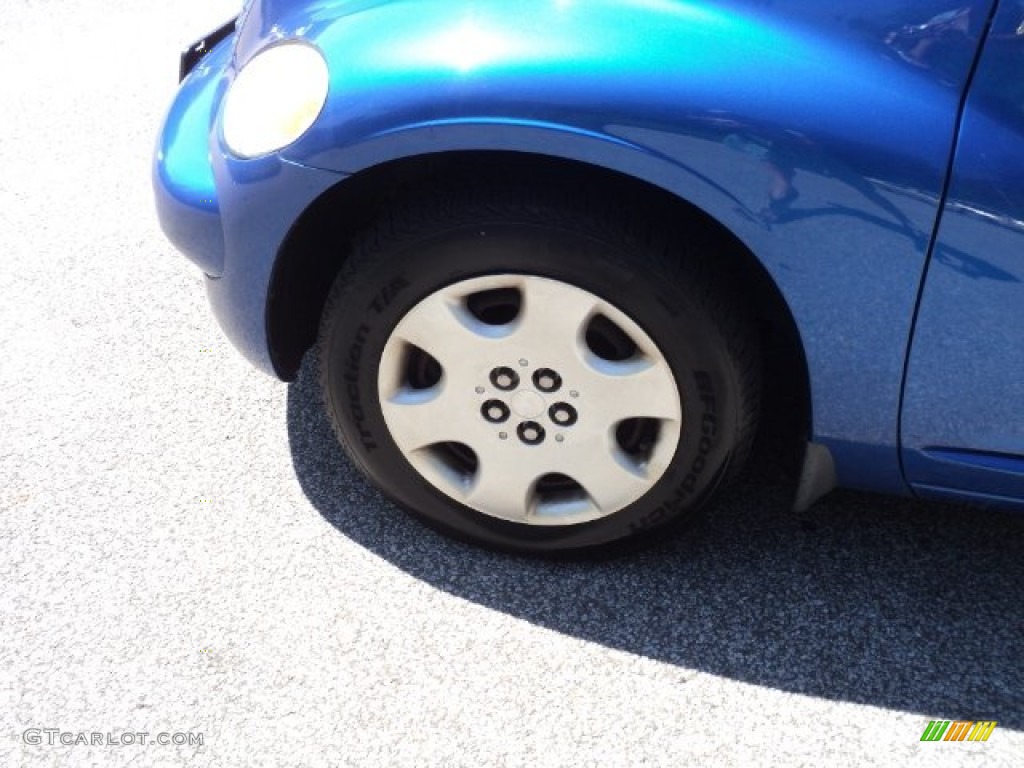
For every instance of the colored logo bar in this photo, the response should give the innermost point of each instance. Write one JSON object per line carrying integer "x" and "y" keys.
{"x": 958, "y": 730}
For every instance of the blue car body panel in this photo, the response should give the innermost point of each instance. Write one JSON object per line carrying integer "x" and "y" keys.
{"x": 963, "y": 418}
{"x": 183, "y": 175}
{"x": 820, "y": 135}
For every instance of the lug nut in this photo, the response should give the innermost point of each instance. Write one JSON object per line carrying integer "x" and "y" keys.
{"x": 504, "y": 379}
{"x": 530, "y": 432}
{"x": 563, "y": 414}
{"x": 546, "y": 380}
{"x": 495, "y": 411}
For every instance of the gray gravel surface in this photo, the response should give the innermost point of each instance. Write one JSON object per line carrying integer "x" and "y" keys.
{"x": 185, "y": 549}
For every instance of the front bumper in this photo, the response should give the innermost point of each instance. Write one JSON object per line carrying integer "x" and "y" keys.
{"x": 231, "y": 217}
{"x": 183, "y": 180}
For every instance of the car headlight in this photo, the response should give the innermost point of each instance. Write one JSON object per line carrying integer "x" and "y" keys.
{"x": 275, "y": 99}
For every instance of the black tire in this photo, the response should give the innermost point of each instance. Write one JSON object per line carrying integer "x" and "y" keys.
{"x": 640, "y": 267}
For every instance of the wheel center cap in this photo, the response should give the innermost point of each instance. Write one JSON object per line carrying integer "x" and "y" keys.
{"x": 527, "y": 405}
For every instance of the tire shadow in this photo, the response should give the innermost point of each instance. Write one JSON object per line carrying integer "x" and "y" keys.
{"x": 893, "y": 603}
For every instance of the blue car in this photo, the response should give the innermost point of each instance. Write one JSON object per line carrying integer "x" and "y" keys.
{"x": 562, "y": 262}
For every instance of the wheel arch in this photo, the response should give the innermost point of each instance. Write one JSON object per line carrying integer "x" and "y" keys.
{"x": 319, "y": 242}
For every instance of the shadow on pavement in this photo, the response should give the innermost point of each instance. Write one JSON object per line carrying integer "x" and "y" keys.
{"x": 892, "y": 603}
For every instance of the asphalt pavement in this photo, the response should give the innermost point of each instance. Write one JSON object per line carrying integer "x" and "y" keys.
{"x": 186, "y": 552}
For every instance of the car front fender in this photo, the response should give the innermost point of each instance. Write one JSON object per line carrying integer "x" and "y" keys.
{"x": 819, "y": 135}
{"x": 652, "y": 87}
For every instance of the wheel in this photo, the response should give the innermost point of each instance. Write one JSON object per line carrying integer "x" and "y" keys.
{"x": 525, "y": 371}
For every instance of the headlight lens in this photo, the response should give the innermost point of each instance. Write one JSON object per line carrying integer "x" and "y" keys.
{"x": 275, "y": 99}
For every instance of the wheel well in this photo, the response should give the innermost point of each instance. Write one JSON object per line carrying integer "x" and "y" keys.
{"x": 320, "y": 241}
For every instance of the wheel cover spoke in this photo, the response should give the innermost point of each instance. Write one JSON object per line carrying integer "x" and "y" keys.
{"x": 552, "y": 317}
{"x": 632, "y": 390}
{"x": 443, "y": 328}
{"x": 503, "y": 489}
{"x": 428, "y": 417}
{"x": 607, "y": 477}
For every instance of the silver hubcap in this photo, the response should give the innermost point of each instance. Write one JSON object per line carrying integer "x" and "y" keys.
{"x": 529, "y": 399}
